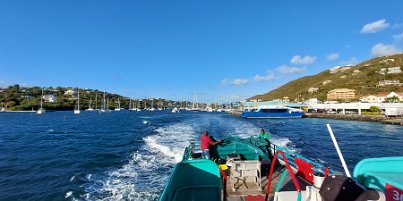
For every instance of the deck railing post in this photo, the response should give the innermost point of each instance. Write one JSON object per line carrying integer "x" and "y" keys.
{"x": 287, "y": 165}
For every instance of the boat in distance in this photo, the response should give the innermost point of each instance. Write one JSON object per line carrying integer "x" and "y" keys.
{"x": 247, "y": 170}
{"x": 273, "y": 112}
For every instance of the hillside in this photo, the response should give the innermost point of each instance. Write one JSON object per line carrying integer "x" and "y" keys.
{"x": 363, "y": 77}
{"x": 16, "y": 98}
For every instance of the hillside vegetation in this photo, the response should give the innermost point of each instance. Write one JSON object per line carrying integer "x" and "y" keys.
{"x": 16, "y": 98}
{"x": 363, "y": 77}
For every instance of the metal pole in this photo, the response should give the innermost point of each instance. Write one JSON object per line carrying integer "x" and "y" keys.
{"x": 338, "y": 151}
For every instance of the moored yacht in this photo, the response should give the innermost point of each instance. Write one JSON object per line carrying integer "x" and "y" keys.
{"x": 41, "y": 110}
{"x": 77, "y": 110}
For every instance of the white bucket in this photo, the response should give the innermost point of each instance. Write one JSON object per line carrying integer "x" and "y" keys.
{"x": 318, "y": 179}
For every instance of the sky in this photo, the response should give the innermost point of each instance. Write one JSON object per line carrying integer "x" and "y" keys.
{"x": 225, "y": 49}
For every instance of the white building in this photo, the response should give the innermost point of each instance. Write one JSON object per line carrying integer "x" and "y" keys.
{"x": 393, "y": 94}
{"x": 69, "y": 92}
{"x": 326, "y": 82}
{"x": 381, "y": 97}
{"x": 340, "y": 68}
{"x": 391, "y": 70}
{"x": 313, "y": 89}
{"x": 49, "y": 98}
{"x": 389, "y": 82}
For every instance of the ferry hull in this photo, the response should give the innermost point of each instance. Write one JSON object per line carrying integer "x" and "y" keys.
{"x": 274, "y": 115}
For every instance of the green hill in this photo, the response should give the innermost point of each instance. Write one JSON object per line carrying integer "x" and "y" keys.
{"x": 363, "y": 77}
{"x": 16, "y": 98}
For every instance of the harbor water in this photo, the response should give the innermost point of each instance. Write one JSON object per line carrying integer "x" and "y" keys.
{"x": 130, "y": 155}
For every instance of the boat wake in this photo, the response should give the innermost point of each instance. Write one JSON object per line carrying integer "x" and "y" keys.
{"x": 148, "y": 169}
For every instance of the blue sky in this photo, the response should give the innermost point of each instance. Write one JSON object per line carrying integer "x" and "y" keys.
{"x": 169, "y": 49}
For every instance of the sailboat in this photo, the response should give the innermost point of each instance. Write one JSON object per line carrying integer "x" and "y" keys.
{"x": 89, "y": 107}
{"x": 77, "y": 110}
{"x": 41, "y": 110}
{"x": 130, "y": 105}
{"x": 175, "y": 110}
{"x": 152, "y": 105}
{"x": 118, "y": 108}
{"x": 103, "y": 109}
{"x": 195, "y": 109}
{"x": 138, "y": 106}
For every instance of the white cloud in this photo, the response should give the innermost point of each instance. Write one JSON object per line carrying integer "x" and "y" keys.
{"x": 398, "y": 37}
{"x": 374, "y": 27}
{"x": 333, "y": 56}
{"x": 235, "y": 82}
{"x": 381, "y": 49}
{"x": 297, "y": 59}
{"x": 261, "y": 78}
{"x": 289, "y": 69}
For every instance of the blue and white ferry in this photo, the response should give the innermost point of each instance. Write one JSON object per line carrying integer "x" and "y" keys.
{"x": 273, "y": 112}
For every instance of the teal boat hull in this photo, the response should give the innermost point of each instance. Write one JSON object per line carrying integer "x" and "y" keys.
{"x": 376, "y": 173}
{"x": 193, "y": 180}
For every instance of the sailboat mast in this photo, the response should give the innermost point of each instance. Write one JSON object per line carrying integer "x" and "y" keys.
{"x": 42, "y": 98}
{"x": 130, "y": 104}
{"x": 96, "y": 97}
{"x": 78, "y": 103}
{"x": 104, "y": 102}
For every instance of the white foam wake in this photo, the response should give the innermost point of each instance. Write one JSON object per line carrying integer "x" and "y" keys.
{"x": 145, "y": 174}
{"x": 170, "y": 141}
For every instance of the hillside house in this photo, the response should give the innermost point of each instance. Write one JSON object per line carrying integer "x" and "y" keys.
{"x": 69, "y": 92}
{"x": 326, "y": 82}
{"x": 389, "y": 83}
{"x": 313, "y": 89}
{"x": 391, "y": 70}
{"x": 387, "y": 60}
{"x": 49, "y": 98}
{"x": 340, "y": 68}
{"x": 341, "y": 94}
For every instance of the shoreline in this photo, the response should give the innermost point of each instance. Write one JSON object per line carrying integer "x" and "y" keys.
{"x": 356, "y": 117}
{"x": 347, "y": 117}
{"x": 22, "y": 111}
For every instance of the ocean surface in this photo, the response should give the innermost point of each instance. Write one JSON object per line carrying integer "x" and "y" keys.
{"x": 130, "y": 155}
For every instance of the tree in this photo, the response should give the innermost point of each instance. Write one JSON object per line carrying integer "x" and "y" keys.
{"x": 393, "y": 99}
{"x": 374, "y": 109}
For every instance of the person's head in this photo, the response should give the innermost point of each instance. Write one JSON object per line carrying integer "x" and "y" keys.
{"x": 261, "y": 131}
{"x": 205, "y": 133}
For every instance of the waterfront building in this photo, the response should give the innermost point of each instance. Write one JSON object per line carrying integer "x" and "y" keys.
{"x": 399, "y": 96}
{"x": 379, "y": 98}
{"x": 341, "y": 94}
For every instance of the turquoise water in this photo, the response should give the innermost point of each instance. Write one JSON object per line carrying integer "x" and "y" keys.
{"x": 129, "y": 155}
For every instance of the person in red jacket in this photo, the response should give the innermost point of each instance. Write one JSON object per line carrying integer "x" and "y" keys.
{"x": 206, "y": 141}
